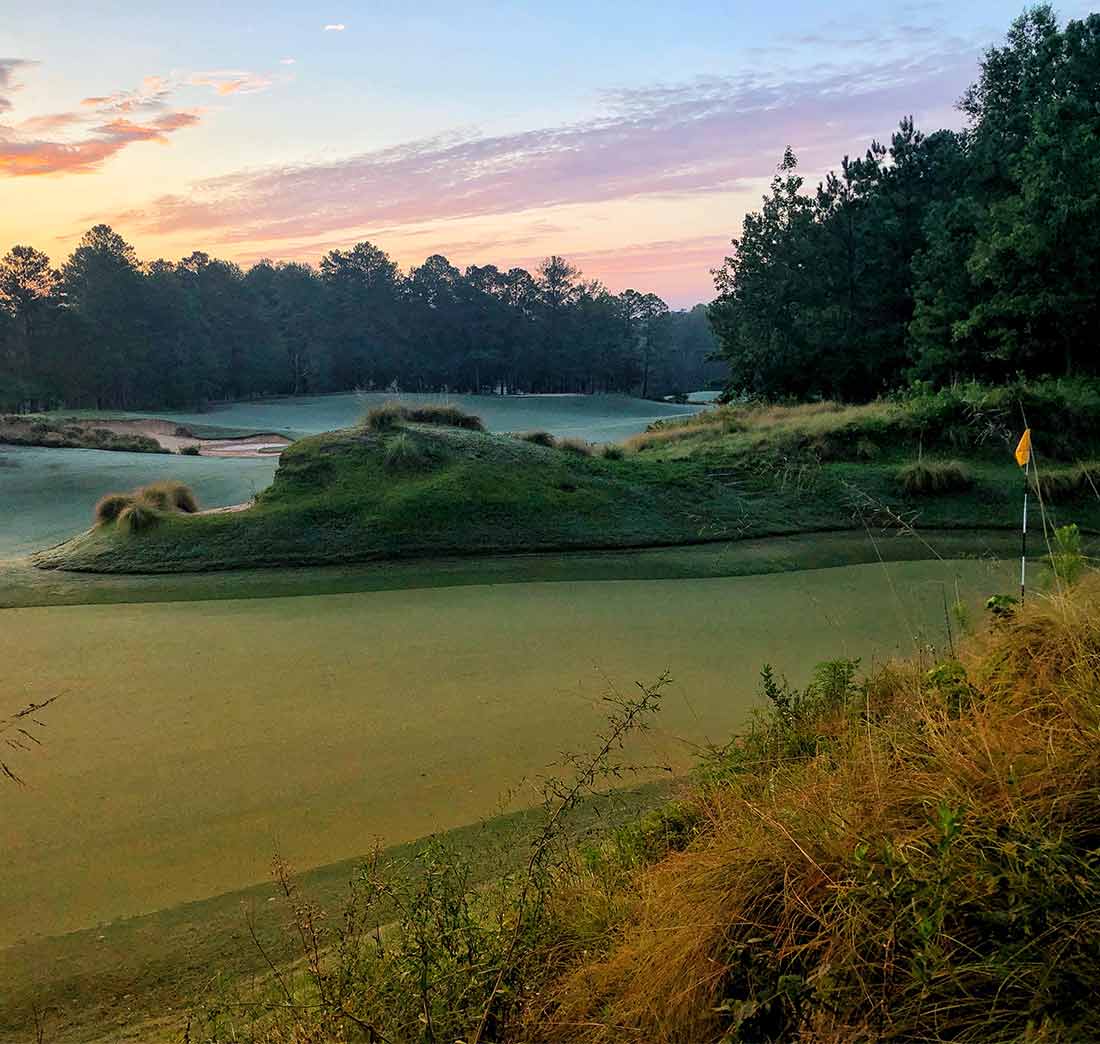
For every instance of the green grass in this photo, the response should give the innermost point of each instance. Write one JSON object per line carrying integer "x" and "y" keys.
{"x": 138, "y": 978}
{"x": 351, "y": 695}
{"x": 595, "y": 418}
{"x": 335, "y": 499}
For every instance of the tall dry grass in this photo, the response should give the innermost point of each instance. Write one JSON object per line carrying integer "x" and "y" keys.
{"x": 916, "y": 859}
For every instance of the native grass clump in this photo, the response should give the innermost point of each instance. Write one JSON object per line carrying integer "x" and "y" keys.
{"x": 391, "y": 415}
{"x": 141, "y": 509}
{"x": 538, "y": 437}
{"x": 578, "y": 447}
{"x": 925, "y": 478}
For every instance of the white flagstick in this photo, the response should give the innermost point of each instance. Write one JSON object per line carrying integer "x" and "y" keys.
{"x": 1023, "y": 533}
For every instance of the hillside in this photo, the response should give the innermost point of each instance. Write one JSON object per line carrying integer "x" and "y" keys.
{"x": 422, "y": 489}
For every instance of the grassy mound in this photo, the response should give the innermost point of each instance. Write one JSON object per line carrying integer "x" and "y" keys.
{"x": 966, "y": 419}
{"x": 427, "y": 490}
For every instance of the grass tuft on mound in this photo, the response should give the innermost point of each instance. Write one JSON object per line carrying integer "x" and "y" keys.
{"x": 169, "y": 495}
{"x": 931, "y": 477}
{"x": 405, "y": 454}
{"x": 538, "y": 438}
{"x": 578, "y": 447}
{"x": 137, "y": 517}
{"x": 391, "y": 415}
{"x": 110, "y": 506}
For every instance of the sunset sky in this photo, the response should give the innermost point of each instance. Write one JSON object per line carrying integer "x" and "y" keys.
{"x": 631, "y": 137}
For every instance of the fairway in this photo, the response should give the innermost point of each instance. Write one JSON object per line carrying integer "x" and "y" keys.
{"x": 595, "y": 418}
{"x": 192, "y": 738}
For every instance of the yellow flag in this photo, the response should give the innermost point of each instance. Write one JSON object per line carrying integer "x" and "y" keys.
{"x": 1023, "y": 448}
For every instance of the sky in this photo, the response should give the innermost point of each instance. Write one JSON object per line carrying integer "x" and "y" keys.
{"x": 631, "y": 137}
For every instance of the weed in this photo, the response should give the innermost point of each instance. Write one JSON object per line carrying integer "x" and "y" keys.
{"x": 613, "y": 451}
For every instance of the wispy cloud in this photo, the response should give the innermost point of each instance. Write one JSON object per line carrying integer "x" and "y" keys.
{"x": 230, "y": 82}
{"x": 675, "y": 140}
{"x": 8, "y": 83}
{"x": 335, "y": 27}
{"x": 288, "y": 61}
{"x": 80, "y": 141}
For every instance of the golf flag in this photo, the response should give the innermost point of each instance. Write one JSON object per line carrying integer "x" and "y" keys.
{"x": 1023, "y": 449}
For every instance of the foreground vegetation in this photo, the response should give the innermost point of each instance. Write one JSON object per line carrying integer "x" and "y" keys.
{"x": 409, "y": 483}
{"x": 906, "y": 854}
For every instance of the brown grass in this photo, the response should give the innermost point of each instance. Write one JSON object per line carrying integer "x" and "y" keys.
{"x": 578, "y": 447}
{"x": 110, "y": 506}
{"x": 138, "y": 517}
{"x": 931, "y": 477}
{"x": 918, "y": 865}
{"x": 539, "y": 438}
{"x": 169, "y": 495}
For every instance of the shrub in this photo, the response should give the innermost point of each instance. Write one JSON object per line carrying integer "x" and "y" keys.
{"x": 169, "y": 495}
{"x": 613, "y": 451}
{"x": 539, "y": 438}
{"x": 194, "y": 450}
{"x": 137, "y": 517}
{"x": 110, "y": 506}
{"x": 1067, "y": 558}
{"x": 390, "y": 415}
{"x": 576, "y": 446}
{"x": 929, "y": 477}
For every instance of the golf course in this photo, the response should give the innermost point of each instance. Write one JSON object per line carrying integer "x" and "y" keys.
{"x": 410, "y": 621}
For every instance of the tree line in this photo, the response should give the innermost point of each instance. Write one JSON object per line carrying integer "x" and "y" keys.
{"x": 946, "y": 256}
{"x": 108, "y": 332}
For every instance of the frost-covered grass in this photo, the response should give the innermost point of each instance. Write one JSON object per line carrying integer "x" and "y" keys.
{"x": 47, "y": 495}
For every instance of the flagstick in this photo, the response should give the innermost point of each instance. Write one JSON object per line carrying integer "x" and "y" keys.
{"x": 1023, "y": 534}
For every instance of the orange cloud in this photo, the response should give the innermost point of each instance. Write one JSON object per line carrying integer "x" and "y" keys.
{"x": 104, "y": 124}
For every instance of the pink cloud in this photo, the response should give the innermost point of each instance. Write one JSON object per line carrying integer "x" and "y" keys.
{"x": 682, "y": 140}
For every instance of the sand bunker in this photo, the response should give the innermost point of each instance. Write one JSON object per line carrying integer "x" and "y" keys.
{"x": 175, "y": 437}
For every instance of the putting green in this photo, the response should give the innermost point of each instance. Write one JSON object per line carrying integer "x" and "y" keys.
{"x": 192, "y": 738}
